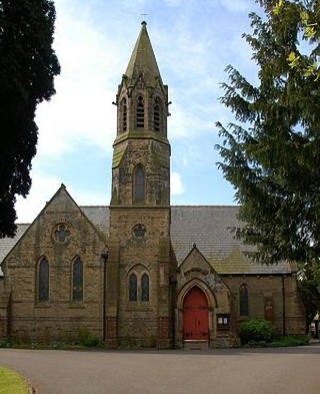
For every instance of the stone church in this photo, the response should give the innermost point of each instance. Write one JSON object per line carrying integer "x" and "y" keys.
{"x": 139, "y": 271}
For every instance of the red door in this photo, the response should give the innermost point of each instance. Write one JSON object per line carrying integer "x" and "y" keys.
{"x": 195, "y": 315}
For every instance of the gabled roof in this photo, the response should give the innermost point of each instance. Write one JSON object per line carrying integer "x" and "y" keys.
{"x": 6, "y": 244}
{"x": 97, "y": 217}
{"x": 143, "y": 60}
{"x": 209, "y": 227}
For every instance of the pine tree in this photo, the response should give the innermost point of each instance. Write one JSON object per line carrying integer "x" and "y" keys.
{"x": 28, "y": 65}
{"x": 273, "y": 158}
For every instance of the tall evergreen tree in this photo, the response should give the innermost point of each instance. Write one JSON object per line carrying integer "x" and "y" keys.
{"x": 273, "y": 158}
{"x": 309, "y": 289}
{"x": 28, "y": 65}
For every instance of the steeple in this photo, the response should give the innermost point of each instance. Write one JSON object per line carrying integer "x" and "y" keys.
{"x": 141, "y": 158}
{"x": 142, "y": 98}
{"x": 143, "y": 61}
{"x": 138, "y": 298}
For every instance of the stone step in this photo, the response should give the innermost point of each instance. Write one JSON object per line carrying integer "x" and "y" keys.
{"x": 195, "y": 345}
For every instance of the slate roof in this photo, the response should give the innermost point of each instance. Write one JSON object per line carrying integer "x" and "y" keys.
{"x": 6, "y": 244}
{"x": 98, "y": 215}
{"x": 209, "y": 227}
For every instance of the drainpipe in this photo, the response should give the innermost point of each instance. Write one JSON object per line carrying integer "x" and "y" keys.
{"x": 173, "y": 283}
{"x": 283, "y": 307}
{"x": 104, "y": 256}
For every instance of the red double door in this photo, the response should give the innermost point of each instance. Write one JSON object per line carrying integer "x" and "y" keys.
{"x": 195, "y": 315}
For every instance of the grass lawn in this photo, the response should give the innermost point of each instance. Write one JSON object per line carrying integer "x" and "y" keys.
{"x": 11, "y": 382}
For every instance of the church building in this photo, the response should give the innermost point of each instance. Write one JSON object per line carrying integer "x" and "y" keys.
{"x": 139, "y": 271}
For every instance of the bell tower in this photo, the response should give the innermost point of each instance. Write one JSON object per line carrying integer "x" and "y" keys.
{"x": 138, "y": 298}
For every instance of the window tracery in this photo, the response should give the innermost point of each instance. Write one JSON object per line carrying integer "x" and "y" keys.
{"x": 61, "y": 233}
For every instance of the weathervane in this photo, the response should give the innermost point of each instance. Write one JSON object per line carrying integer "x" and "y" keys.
{"x": 143, "y": 17}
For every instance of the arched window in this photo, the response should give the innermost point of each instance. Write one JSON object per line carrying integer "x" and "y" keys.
{"x": 157, "y": 114}
{"x": 43, "y": 280}
{"x": 145, "y": 287}
{"x": 139, "y": 184}
{"x": 133, "y": 287}
{"x": 140, "y": 113}
{"x": 124, "y": 115}
{"x": 244, "y": 301}
{"x": 77, "y": 280}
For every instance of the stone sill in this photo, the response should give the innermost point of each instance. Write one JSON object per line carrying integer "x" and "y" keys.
{"x": 44, "y": 305}
{"x": 75, "y": 305}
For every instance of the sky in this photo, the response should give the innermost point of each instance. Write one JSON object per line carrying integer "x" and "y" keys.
{"x": 193, "y": 40}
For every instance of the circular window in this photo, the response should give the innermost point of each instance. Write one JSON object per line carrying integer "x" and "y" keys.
{"x": 139, "y": 231}
{"x": 61, "y": 233}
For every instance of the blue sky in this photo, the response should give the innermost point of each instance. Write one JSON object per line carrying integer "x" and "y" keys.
{"x": 193, "y": 41}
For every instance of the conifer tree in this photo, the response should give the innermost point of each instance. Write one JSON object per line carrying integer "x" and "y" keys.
{"x": 273, "y": 157}
{"x": 28, "y": 65}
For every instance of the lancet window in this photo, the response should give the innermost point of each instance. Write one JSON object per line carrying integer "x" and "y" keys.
{"x": 77, "y": 280}
{"x": 133, "y": 288}
{"x": 43, "y": 280}
{"x": 145, "y": 287}
{"x": 124, "y": 114}
{"x": 140, "y": 113}
{"x": 157, "y": 109}
{"x": 244, "y": 301}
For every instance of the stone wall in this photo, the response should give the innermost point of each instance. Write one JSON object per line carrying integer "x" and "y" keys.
{"x": 60, "y": 318}
{"x": 266, "y": 291}
{"x": 139, "y": 322}
{"x": 4, "y": 309}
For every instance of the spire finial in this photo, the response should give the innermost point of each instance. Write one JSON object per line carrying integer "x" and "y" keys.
{"x": 144, "y": 24}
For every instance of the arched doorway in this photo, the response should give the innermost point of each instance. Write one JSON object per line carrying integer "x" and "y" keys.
{"x": 195, "y": 315}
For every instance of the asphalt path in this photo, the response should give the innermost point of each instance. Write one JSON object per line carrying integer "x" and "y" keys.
{"x": 240, "y": 371}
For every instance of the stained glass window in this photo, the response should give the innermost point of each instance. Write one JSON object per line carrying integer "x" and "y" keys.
{"x": 77, "y": 280}
{"x": 139, "y": 184}
{"x": 244, "y": 301}
{"x": 133, "y": 287}
{"x": 43, "y": 280}
{"x": 145, "y": 287}
{"x": 61, "y": 233}
{"x": 140, "y": 113}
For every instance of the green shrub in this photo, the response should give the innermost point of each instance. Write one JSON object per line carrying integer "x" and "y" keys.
{"x": 290, "y": 340}
{"x": 87, "y": 339}
{"x": 4, "y": 344}
{"x": 255, "y": 330}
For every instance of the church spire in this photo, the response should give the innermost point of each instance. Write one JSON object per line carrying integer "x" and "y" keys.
{"x": 142, "y": 99}
{"x": 143, "y": 61}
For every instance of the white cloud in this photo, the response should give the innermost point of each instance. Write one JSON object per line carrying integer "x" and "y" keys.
{"x": 176, "y": 184}
{"x": 42, "y": 190}
{"x": 81, "y": 112}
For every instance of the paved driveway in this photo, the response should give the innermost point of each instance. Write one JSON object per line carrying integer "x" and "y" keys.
{"x": 286, "y": 370}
